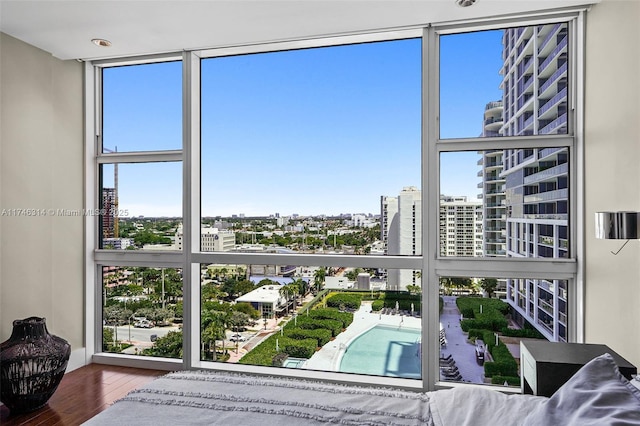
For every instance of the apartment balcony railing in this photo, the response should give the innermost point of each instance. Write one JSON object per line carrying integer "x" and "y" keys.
{"x": 559, "y": 97}
{"x": 522, "y": 100}
{"x": 562, "y": 69}
{"x": 524, "y": 83}
{"x": 545, "y": 152}
{"x": 495, "y": 191}
{"x": 558, "y": 194}
{"x": 524, "y": 65}
{"x": 554, "y": 53}
{"x": 492, "y": 105}
{"x": 496, "y": 205}
{"x": 492, "y": 120}
{"x": 552, "y": 33}
{"x": 496, "y": 216}
{"x": 555, "y": 124}
{"x": 549, "y": 216}
{"x": 495, "y": 240}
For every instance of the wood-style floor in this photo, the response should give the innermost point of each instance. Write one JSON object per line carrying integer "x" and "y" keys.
{"x": 83, "y": 393}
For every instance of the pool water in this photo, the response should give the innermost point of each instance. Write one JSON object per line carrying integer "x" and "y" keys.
{"x": 294, "y": 362}
{"x": 384, "y": 351}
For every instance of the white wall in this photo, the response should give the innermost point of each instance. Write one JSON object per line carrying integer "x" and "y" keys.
{"x": 612, "y": 167}
{"x": 41, "y": 167}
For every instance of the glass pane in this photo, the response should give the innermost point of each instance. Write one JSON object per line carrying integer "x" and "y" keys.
{"x": 142, "y": 107}
{"x": 294, "y": 143}
{"x": 137, "y": 213}
{"x": 314, "y": 318}
{"x": 518, "y": 85}
{"x": 482, "y": 321}
{"x": 521, "y": 206}
{"x": 142, "y": 311}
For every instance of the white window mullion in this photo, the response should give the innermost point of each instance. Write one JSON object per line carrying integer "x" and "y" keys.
{"x": 191, "y": 208}
{"x": 430, "y": 203}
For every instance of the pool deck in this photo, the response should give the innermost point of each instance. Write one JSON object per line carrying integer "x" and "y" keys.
{"x": 329, "y": 356}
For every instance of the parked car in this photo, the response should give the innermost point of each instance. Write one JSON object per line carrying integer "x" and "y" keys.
{"x": 237, "y": 338}
{"x": 480, "y": 351}
{"x": 143, "y": 323}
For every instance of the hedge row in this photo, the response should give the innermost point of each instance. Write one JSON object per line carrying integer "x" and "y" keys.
{"x": 513, "y": 332}
{"x": 349, "y": 301}
{"x": 300, "y": 337}
{"x": 494, "y": 321}
{"x": 345, "y": 318}
{"x": 503, "y": 363}
{"x": 511, "y": 380}
{"x": 322, "y": 336}
{"x": 466, "y": 305}
{"x": 308, "y": 323}
{"x": 491, "y": 318}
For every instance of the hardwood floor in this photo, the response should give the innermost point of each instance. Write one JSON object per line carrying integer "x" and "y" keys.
{"x": 83, "y": 393}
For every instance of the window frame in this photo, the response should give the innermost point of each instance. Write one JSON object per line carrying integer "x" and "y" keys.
{"x": 431, "y": 263}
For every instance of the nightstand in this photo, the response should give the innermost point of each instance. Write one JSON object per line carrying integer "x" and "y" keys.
{"x": 546, "y": 366}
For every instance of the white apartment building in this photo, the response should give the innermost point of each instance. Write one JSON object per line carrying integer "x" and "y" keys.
{"x": 493, "y": 186}
{"x": 535, "y": 101}
{"x": 117, "y": 243}
{"x": 400, "y": 233}
{"x": 460, "y": 227}
{"x": 211, "y": 239}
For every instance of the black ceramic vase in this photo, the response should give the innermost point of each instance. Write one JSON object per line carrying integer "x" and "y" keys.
{"x": 32, "y": 363}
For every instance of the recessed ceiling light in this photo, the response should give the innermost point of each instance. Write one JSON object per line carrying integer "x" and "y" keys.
{"x": 101, "y": 42}
{"x": 465, "y": 3}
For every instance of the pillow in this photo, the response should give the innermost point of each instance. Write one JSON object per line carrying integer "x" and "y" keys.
{"x": 596, "y": 395}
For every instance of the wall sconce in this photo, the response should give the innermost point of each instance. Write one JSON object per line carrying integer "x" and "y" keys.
{"x": 617, "y": 226}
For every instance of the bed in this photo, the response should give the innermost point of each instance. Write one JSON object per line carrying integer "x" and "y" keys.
{"x": 597, "y": 394}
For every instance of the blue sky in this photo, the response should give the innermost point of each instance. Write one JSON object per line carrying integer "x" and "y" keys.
{"x": 316, "y": 131}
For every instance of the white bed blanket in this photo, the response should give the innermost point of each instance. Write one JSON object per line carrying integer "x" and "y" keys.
{"x": 212, "y": 398}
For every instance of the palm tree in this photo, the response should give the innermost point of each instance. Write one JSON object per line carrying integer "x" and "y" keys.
{"x": 318, "y": 278}
{"x": 286, "y": 291}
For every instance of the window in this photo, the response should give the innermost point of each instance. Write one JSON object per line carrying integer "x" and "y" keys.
{"x": 329, "y": 197}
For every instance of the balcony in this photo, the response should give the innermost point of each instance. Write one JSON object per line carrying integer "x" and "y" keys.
{"x": 549, "y": 37}
{"x": 493, "y": 105}
{"x": 560, "y": 169}
{"x": 549, "y": 216}
{"x": 562, "y": 69}
{"x": 558, "y": 194}
{"x": 561, "y": 96}
{"x": 555, "y": 124}
{"x": 562, "y": 45}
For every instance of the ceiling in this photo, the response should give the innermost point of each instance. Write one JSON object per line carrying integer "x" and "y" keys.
{"x": 65, "y": 28}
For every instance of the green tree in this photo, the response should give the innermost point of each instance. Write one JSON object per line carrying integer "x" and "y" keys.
{"x": 318, "y": 278}
{"x": 287, "y": 292}
{"x": 352, "y": 275}
{"x": 489, "y": 285}
{"x": 169, "y": 346}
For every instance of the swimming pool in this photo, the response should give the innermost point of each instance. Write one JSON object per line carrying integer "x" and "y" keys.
{"x": 294, "y": 362}
{"x": 384, "y": 351}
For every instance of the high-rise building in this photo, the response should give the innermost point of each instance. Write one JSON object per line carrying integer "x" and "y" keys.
{"x": 108, "y": 217}
{"x": 493, "y": 186}
{"x": 536, "y": 180}
{"x": 401, "y": 233}
{"x": 460, "y": 227}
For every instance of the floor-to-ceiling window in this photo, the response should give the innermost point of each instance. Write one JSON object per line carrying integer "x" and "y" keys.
{"x": 353, "y": 208}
